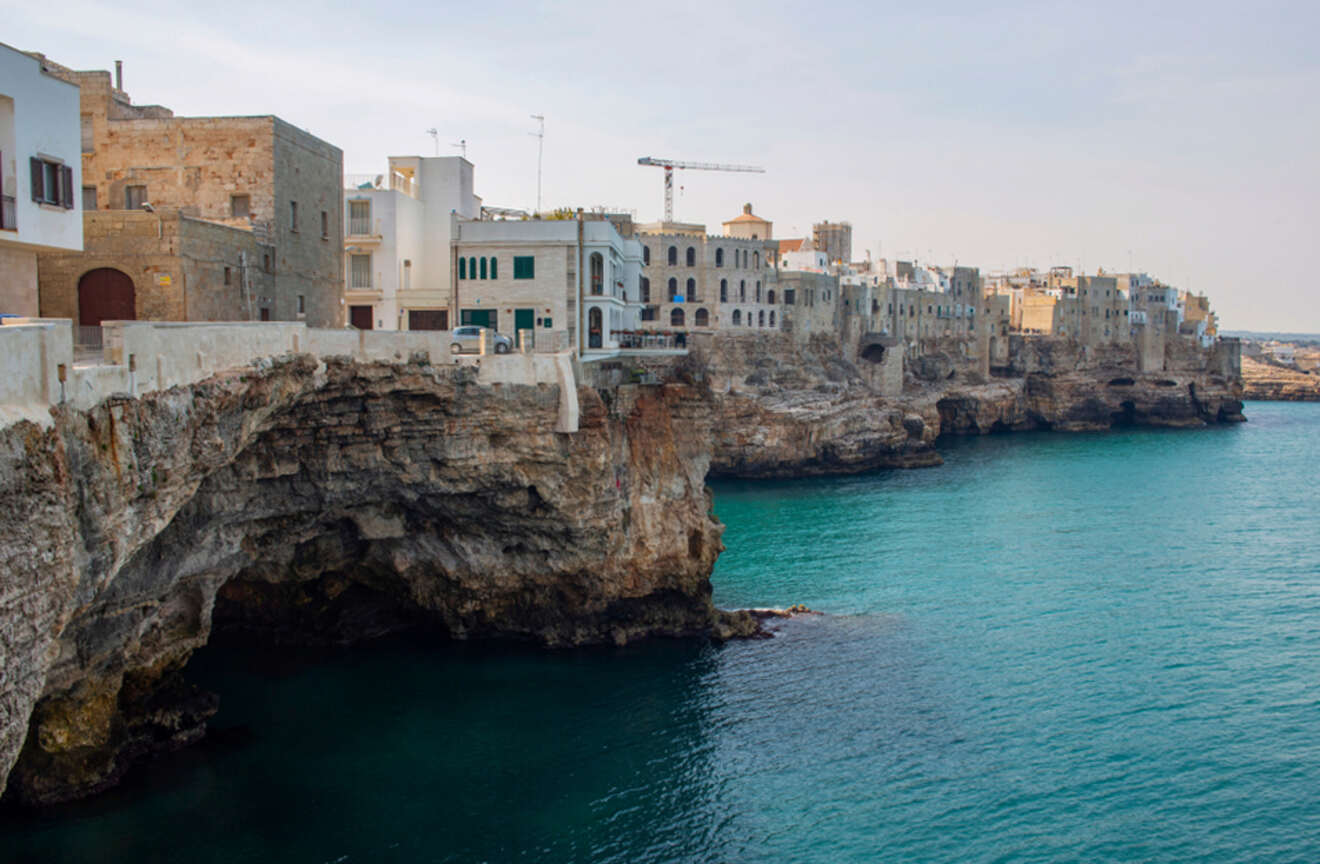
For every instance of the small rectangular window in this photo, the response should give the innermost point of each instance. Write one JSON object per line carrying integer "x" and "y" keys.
{"x": 293, "y": 215}
{"x": 89, "y": 197}
{"x": 524, "y": 267}
{"x": 302, "y": 304}
{"x": 266, "y": 263}
{"x": 240, "y": 206}
{"x": 134, "y": 197}
{"x": 325, "y": 225}
{"x": 227, "y": 276}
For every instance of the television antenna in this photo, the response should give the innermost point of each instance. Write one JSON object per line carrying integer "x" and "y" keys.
{"x": 435, "y": 136}
{"x": 539, "y": 135}
{"x": 461, "y": 145}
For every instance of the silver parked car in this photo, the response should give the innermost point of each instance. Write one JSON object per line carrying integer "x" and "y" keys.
{"x": 468, "y": 338}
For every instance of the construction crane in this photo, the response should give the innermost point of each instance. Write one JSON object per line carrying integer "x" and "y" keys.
{"x": 670, "y": 164}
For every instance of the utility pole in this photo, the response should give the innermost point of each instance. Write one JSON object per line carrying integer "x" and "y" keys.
{"x": 435, "y": 136}
{"x": 539, "y": 134}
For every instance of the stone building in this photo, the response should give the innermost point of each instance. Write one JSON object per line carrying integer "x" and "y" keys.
{"x": 184, "y": 269}
{"x": 835, "y": 240}
{"x": 258, "y": 175}
{"x": 749, "y": 226}
{"x": 40, "y": 174}
{"x": 554, "y": 278}
{"x": 695, "y": 281}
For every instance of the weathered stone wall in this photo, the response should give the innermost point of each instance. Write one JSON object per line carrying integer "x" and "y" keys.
{"x": 18, "y": 282}
{"x": 311, "y": 257}
{"x": 176, "y": 264}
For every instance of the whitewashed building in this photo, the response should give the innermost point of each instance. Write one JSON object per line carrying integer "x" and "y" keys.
{"x": 398, "y": 268}
{"x": 40, "y": 175}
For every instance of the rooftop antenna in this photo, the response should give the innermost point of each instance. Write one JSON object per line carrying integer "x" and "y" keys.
{"x": 539, "y": 135}
{"x": 435, "y": 136}
{"x": 461, "y": 145}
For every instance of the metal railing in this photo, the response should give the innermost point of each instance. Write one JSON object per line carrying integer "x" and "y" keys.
{"x": 651, "y": 338}
{"x": 359, "y": 225}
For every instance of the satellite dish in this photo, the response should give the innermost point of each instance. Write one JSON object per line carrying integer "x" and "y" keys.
{"x": 380, "y": 178}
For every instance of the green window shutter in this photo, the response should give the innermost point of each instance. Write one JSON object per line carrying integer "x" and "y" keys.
{"x": 462, "y": 267}
{"x": 472, "y": 268}
{"x": 38, "y": 176}
{"x": 493, "y": 274}
{"x": 483, "y": 268}
{"x": 524, "y": 267}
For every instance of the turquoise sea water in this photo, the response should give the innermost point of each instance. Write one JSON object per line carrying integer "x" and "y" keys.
{"x": 1053, "y": 648}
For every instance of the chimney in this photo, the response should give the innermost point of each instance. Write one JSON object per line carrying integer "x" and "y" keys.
{"x": 119, "y": 74}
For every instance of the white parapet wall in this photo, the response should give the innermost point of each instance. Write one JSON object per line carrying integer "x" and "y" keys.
{"x": 140, "y": 357}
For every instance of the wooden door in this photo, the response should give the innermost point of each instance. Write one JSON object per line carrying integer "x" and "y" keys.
{"x": 105, "y": 294}
{"x": 360, "y": 317}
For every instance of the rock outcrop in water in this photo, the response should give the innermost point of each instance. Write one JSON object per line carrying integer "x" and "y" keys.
{"x": 329, "y": 504}
{"x": 343, "y": 501}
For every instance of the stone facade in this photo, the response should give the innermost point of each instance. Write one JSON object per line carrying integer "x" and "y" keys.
{"x": 182, "y": 269}
{"x": 258, "y": 174}
{"x": 733, "y": 281}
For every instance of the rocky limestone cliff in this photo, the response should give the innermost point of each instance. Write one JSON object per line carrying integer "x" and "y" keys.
{"x": 332, "y": 502}
{"x": 1273, "y": 383}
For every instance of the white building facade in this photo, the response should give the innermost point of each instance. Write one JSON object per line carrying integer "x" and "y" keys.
{"x": 40, "y": 175}
{"x": 398, "y": 268}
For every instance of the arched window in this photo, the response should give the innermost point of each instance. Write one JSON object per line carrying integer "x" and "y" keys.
{"x": 691, "y": 257}
{"x": 724, "y": 290}
{"x": 673, "y": 255}
{"x": 483, "y": 268}
{"x": 676, "y": 318}
{"x": 758, "y": 290}
{"x": 772, "y": 319}
{"x": 462, "y": 268}
{"x": 760, "y": 318}
{"x": 646, "y": 255}
{"x": 770, "y": 298}
{"x": 691, "y": 293}
{"x": 719, "y": 257}
{"x": 737, "y": 317}
{"x": 472, "y": 268}
{"x": 756, "y": 260}
{"x": 744, "y": 259}
{"x": 597, "y": 273}
{"x": 742, "y": 291}
{"x": 703, "y": 318}
{"x": 673, "y": 288}
{"x": 646, "y": 290}
{"x": 493, "y": 274}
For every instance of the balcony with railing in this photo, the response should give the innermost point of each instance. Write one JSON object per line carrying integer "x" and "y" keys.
{"x": 393, "y": 180}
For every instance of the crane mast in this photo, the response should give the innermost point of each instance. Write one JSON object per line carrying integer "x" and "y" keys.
{"x": 670, "y": 164}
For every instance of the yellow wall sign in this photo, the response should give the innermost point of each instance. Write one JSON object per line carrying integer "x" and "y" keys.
{"x": 163, "y": 279}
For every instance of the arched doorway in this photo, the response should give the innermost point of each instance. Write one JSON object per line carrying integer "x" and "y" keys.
{"x": 594, "y": 327}
{"x": 105, "y": 294}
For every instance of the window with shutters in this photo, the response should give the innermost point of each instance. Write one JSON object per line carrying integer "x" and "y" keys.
{"x": 524, "y": 267}
{"x": 360, "y": 272}
{"x": 240, "y": 206}
{"x": 462, "y": 267}
{"x": 89, "y": 197}
{"x": 494, "y": 270}
{"x": 134, "y": 197}
{"x": 52, "y": 183}
{"x": 359, "y": 217}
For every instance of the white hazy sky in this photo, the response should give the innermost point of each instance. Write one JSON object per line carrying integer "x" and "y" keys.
{"x": 1178, "y": 136}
